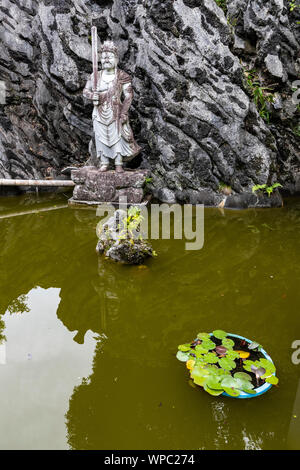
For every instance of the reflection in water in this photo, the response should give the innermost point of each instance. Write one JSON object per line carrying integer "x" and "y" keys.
{"x": 3, "y": 353}
{"x": 133, "y": 393}
{"x": 42, "y": 365}
{"x": 220, "y": 417}
{"x": 250, "y": 443}
{"x": 293, "y": 441}
{"x": 19, "y": 305}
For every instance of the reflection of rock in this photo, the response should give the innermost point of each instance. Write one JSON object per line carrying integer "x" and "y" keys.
{"x": 120, "y": 246}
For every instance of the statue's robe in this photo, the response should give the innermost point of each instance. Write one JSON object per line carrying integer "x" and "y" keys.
{"x": 113, "y": 134}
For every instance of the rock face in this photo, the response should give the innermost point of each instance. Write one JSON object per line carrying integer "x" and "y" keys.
{"x": 193, "y": 113}
{"x": 95, "y": 186}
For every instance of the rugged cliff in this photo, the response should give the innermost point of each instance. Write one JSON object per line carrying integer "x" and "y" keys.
{"x": 213, "y": 89}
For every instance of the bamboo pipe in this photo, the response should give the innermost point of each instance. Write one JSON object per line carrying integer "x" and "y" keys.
{"x": 7, "y": 182}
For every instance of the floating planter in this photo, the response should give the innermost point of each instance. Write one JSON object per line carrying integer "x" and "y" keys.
{"x": 227, "y": 364}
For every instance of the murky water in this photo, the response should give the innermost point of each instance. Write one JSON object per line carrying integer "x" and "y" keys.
{"x": 89, "y": 357}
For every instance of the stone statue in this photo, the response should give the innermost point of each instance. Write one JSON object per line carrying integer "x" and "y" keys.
{"x": 111, "y": 92}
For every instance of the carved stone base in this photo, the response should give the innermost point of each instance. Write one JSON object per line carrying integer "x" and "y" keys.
{"x": 95, "y": 187}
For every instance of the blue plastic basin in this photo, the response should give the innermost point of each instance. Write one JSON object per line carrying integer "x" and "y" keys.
{"x": 260, "y": 390}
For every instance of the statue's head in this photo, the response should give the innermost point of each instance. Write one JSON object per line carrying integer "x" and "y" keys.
{"x": 109, "y": 55}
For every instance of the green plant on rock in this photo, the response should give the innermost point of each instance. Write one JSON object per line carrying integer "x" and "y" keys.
{"x": 222, "y": 4}
{"x": 294, "y": 4}
{"x": 296, "y": 130}
{"x": 147, "y": 185}
{"x": 130, "y": 225}
{"x": 265, "y": 188}
{"x": 225, "y": 188}
{"x": 262, "y": 96}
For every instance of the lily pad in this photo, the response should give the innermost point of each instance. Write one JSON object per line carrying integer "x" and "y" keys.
{"x": 268, "y": 365}
{"x": 248, "y": 364}
{"x": 212, "y": 392}
{"x": 253, "y": 345}
{"x": 228, "y": 343}
{"x": 199, "y": 375}
{"x": 213, "y": 382}
{"x": 208, "y": 344}
{"x": 272, "y": 380}
{"x": 210, "y": 358}
{"x": 230, "y": 382}
{"x": 231, "y": 354}
{"x": 232, "y": 392}
{"x": 181, "y": 356}
{"x": 199, "y": 349}
{"x": 184, "y": 347}
{"x": 227, "y": 364}
{"x": 243, "y": 354}
{"x": 220, "y": 334}
{"x": 221, "y": 350}
{"x": 190, "y": 364}
{"x": 248, "y": 390}
{"x": 203, "y": 336}
{"x": 243, "y": 376}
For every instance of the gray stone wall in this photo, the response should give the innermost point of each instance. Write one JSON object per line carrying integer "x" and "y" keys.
{"x": 192, "y": 112}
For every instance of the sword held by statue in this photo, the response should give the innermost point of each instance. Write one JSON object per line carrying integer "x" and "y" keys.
{"x": 95, "y": 59}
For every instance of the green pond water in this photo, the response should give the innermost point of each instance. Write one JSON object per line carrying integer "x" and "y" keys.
{"x": 89, "y": 358}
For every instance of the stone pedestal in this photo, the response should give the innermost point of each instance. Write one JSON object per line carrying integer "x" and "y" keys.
{"x": 94, "y": 187}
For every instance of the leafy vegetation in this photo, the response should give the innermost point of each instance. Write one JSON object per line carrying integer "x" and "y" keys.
{"x": 19, "y": 305}
{"x": 263, "y": 368}
{"x": 254, "y": 345}
{"x": 225, "y": 188}
{"x": 265, "y": 188}
{"x": 262, "y": 96}
{"x": 219, "y": 368}
{"x": 296, "y": 130}
{"x": 2, "y": 336}
{"x": 294, "y": 4}
{"x": 222, "y": 4}
{"x": 147, "y": 185}
{"x": 131, "y": 224}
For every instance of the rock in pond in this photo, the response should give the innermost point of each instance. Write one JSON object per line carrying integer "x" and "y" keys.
{"x": 116, "y": 242}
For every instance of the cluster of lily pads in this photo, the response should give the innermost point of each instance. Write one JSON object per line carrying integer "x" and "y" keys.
{"x": 212, "y": 366}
